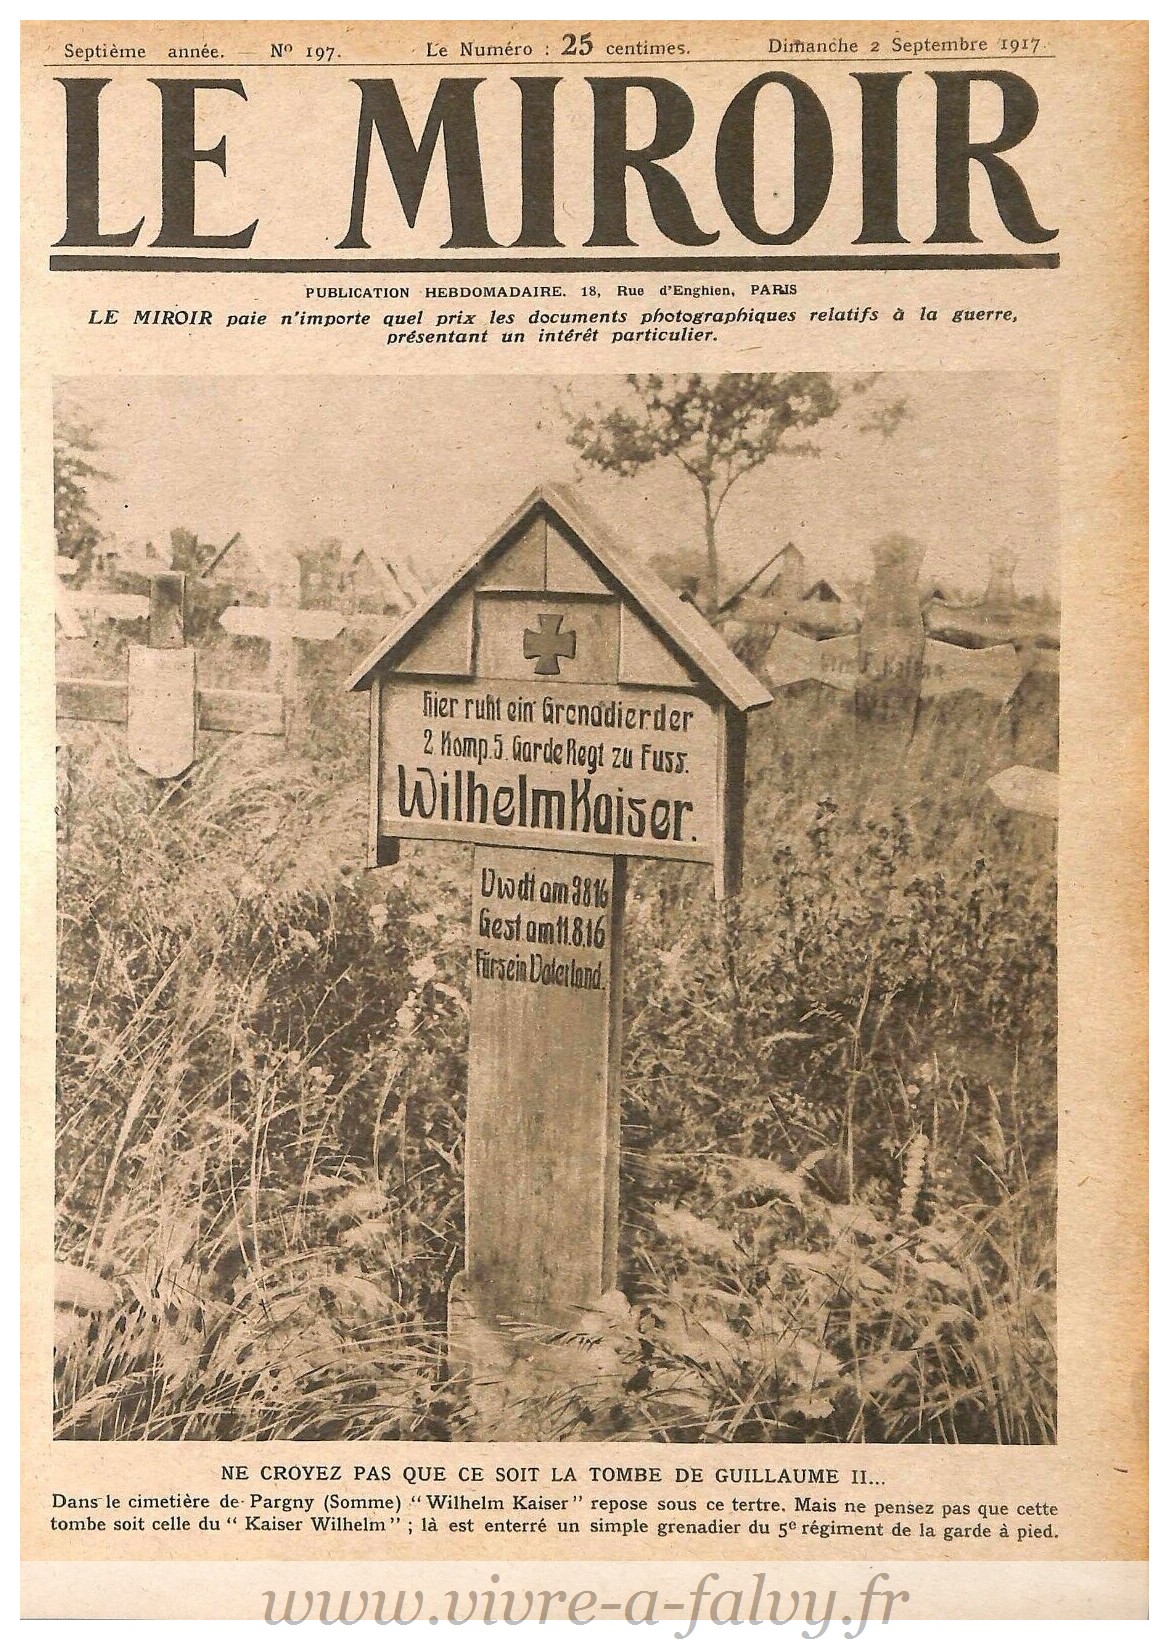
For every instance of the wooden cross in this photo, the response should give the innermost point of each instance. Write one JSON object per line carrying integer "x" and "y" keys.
{"x": 160, "y": 701}
{"x": 110, "y": 606}
{"x": 68, "y": 619}
{"x": 548, "y": 646}
{"x": 947, "y": 669}
{"x": 280, "y": 627}
{"x": 627, "y": 739}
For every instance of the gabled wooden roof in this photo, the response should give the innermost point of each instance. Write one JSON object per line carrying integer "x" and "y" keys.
{"x": 383, "y": 575}
{"x": 757, "y": 574}
{"x": 836, "y": 591}
{"x": 677, "y": 624}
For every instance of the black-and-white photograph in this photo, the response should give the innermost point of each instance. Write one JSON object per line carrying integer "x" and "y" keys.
{"x": 557, "y": 908}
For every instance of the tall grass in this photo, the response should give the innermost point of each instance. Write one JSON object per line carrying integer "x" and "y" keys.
{"x": 838, "y": 1171}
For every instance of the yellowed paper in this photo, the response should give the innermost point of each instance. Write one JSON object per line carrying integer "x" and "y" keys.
{"x": 585, "y": 642}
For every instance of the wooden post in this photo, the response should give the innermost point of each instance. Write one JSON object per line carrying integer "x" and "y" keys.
{"x": 168, "y": 610}
{"x": 543, "y": 1111}
{"x": 160, "y": 727}
{"x": 892, "y": 641}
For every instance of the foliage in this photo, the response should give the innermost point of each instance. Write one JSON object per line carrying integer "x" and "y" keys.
{"x": 74, "y": 519}
{"x": 838, "y": 1103}
{"x": 236, "y": 1146}
{"x": 683, "y": 571}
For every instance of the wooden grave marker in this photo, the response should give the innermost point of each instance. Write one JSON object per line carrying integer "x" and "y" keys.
{"x": 1027, "y": 791}
{"x": 891, "y": 641}
{"x": 280, "y": 627}
{"x": 947, "y": 669}
{"x": 557, "y": 707}
{"x": 160, "y": 701}
{"x": 68, "y": 618}
{"x": 93, "y": 601}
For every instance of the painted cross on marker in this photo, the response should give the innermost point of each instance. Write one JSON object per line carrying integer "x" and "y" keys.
{"x": 546, "y": 646}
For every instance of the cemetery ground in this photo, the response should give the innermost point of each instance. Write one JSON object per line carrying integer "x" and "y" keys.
{"x": 838, "y": 1164}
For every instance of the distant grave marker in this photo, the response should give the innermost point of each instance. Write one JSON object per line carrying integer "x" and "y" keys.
{"x": 1027, "y": 790}
{"x": 160, "y": 701}
{"x": 280, "y": 628}
{"x": 891, "y": 646}
{"x": 96, "y": 601}
{"x": 948, "y": 669}
{"x": 840, "y": 662}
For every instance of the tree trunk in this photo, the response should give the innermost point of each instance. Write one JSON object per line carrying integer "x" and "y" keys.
{"x": 712, "y": 592}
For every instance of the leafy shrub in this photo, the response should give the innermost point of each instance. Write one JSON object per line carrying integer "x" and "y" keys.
{"x": 838, "y": 1102}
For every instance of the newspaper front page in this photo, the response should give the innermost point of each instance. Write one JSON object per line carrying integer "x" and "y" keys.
{"x": 585, "y": 636}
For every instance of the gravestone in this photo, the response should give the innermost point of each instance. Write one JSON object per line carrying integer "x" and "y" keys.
{"x": 555, "y": 706}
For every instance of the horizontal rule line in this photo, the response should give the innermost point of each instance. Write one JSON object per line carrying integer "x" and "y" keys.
{"x": 916, "y": 262}
{"x": 810, "y": 59}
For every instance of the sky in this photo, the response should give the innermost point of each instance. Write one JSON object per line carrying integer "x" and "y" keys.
{"x": 424, "y": 468}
